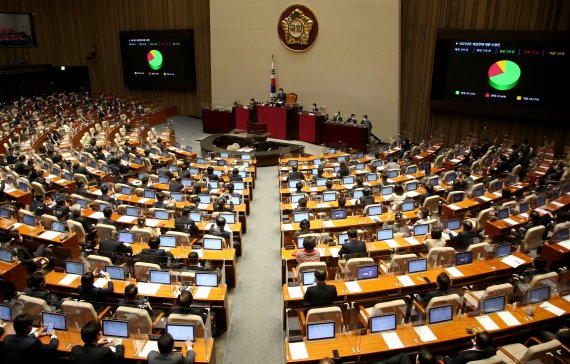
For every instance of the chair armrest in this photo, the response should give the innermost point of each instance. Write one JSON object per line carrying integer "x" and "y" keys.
{"x": 531, "y": 339}
{"x": 157, "y": 319}
{"x": 303, "y": 323}
{"x": 419, "y": 306}
{"x": 365, "y": 314}
{"x": 295, "y": 274}
{"x": 472, "y": 295}
{"x": 106, "y": 311}
{"x": 515, "y": 360}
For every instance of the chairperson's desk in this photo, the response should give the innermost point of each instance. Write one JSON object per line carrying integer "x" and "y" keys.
{"x": 446, "y": 336}
{"x": 354, "y": 136}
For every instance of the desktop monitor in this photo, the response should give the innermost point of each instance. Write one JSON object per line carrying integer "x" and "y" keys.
{"x": 479, "y": 191}
{"x": 238, "y": 185}
{"x": 371, "y": 177}
{"x": 29, "y": 220}
{"x": 213, "y": 184}
{"x": 458, "y": 197}
{"x": 58, "y": 226}
{"x": 342, "y": 238}
{"x": 177, "y": 196}
{"x": 126, "y": 237}
{"x": 434, "y": 181}
{"x": 314, "y": 171}
{"x": 149, "y": 194}
{"x": 195, "y": 216}
{"x": 81, "y": 202}
{"x": 206, "y": 279}
{"x": 412, "y": 186}
{"x": 440, "y": 314}
{"x": 463, "y": 258}
{"x": 453, "y": 224}
{"x": 159, "y": 276}
{"x": 407, "y": 206}
{"x": 167, "y": 241}
{"x": 367, "y": 272}
{"x": 246, "y": 157}
{"x": 5, "y": 313}
{"x": 411, "y": 169}
{"x": 117, "y": 273}
{"x": 539, "y": 294}
{"x": 103, "y": 206}
{"x": 6, "y": 255}
{"x": 132, "y": 211}
{"x": 205, "y": 198}
{"x": 374, "y": 210}
{"x": 126, "y": 190}
{"x": 57, "y": 320}
{"x": 417, "y": 265}
{"x": 300, "y": 241}
{"x": 200, "y": 160}
{"x": 498, "y": 186}
{"x": 309, "y": 278}
{"x": 503, "y": 213}
{"x": 356, "y": 194}
{"x": 561, "y": 235}
{"x": 295, "y": 197}
{"x": 321, "y": 182}
{"x": 321, "y": 331}
{"x": 300, "y": 216}
{"x": 72, "y": 267}
{"x": 186, "y": 182}
{"x": 503, "y": 250}
{"x": 5, "y": 213}
{"x": 540, "y": 201}
{"x": 293, "y": 163}
{"x": 293, "y": 183}
{"x": 341, "y": 158}
{"x": 494, "y": 304}
{"x": 161, "y": 214}
{"x": 384, "y": 234}
{"x": 329, "y": 196}
{"x": 229, "y": 216}
{"x": 181, "y": 332}
{"x": 393, "y": 174}
{"x": 338, "y": 214}
{"x": 524, "y": 207}
{"x": 68, "y": 176}
{"x": 115, "y": 328}
{"x": 383, "y": 323}
{"x": 387, "y": 190}
{"x": 163, "y": 179}
{"x": 348, "y": 180}
{"x": 212, "y": 243}
{"x": 421, "y": 229}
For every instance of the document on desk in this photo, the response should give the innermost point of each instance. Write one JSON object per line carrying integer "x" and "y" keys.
{"x": 510, "y": 221}
{"x": 508, "y": 318}
{"x": 392, "y": 243}
{"x": 328, "y": 224}
{"x": 412, "y": 194}
{"x": 150, "y": 345}
{"x": 512, "y": 261}
{"x": 565, "y": 244}
{"x": 353, "y": 287}
{"x": 100, "y": 283}
{"x": 97, "y": 193}
{"x": 152, "y": 222}
{"x": 454, "y": 272}
{"x": 314, "y": 189}
{"x": 148, "y": 288}
{"x": 487, "y": 323}
{"x": 406, "y": 281}
{"x": 295, "y": 292}
{"x": 375, "y": 218}
{"x": 554, "y": 309}
{"x": 203, "y": 206}
{"x": 200, "y": 252}
{"x": 68, "y": 279}
{"x": 484, "y": 198}
{"x": 127, "y": 219}
{"x": 425, "y": 333}
{"x": 286, "y": 227}
{"x": 298, "y": 351}
{"x": 454, "y": 207}
{"x": 556, "y": 203}
{"x": 321, "y": 252}
{"x": 412, "y": 241}
{"x": 567, "y": 297}
{"x": 334, "y": 252}
{"x": 541, "y": 211}
{"x": 498, "y": 193}
{"x": 202, "y": 292}
{"x": 49, "y": 235}
{"x": 392, "y": 340}
{"x": 143, "y": 200}
{"x": 97, "y": 215}
{"x": 16, "y": 225}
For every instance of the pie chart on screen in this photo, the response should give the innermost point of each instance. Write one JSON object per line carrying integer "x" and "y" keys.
{"x": 154, "y": 59}
{"x": 504, "y": 75}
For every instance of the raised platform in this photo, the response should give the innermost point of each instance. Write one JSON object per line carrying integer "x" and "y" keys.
{"x": 266, "y": 152}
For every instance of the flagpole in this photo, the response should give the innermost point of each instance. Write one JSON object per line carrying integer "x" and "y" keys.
{"x": 272, "y": 88}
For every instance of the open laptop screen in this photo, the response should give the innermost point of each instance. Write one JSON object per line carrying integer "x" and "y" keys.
{"x": 503, "y": 250}
{"x": 440, "y": 314}
{"x": 57, "y": 319}
{"x": 309, "y": 278}
{"x": 383, "y": 323}
{"x": 117, "y": 273}
{"x": 417, "y": 265}
{"x": 5, "y": 313}
{"x": 384, "y": 234}
{"x": 115, "y": 328}
{"x": 168, "y": 241}
{"x": 300, "y": 216}
{"x": 74, "y": 267}
{"x": 212, "y": 244}
{"x": 181, "y": 332}
{"x": 539, "y": 294}
{"x": 321, "y": 331}
{"x": 374, "y": 210}
{"x": 421, "y": 229}
{"x": 206, "y": 279}
{"x": 464, "y": 258}
{"x": 126, "y": 237}
{"x": 6, "y": 255}
{"x": 367, "y": 272}
{"x": 494, "y": 304}
{"x": 159, "y": 276}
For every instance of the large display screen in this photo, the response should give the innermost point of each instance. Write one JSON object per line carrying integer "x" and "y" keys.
{"x": 503, "y": 73}
{"x": 159, "y": 59}
{"x": 17, "y": 30}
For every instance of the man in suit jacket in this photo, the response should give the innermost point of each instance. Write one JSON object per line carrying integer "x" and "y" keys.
{"x": 24, "y": 347}
{"x": 295, "y": 174}
{"x": 36, "y": 288}
{"x": 465, "y": 238}
{"x": 353, "y": 246}
{"x": 164, "y": 355}
{"x": 88, "y": 292}
{"x": 110, "y": 247}
{"x": 155, "y": 255}
{"x": 93, "y": 352}
{"x": 424, "y": 357}
{"x": 321, "y": 294}
{"x": 483, "y": 348}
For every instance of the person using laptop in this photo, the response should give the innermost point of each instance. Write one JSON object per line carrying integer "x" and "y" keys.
{"x": 88, "y": 292}
{"x": 482, "y": 349}
{"x": 342, "y": 206}
{"x": 112, "y": 247}
{"x": 105, "y": 195}
{"x": 26, "y": 347}
{"x": 366, "y": 198}
{"x": 320, "y": 294}
{"x": 164, "y": 171}
{"x": 81, "y": 190}
{"x": 302, "y": 206}
{"x": 107, "y": 214}
{"x": 308, "y": 253}
{"x": 31, "y": 261}
{"x": 184, "y": 223}
{"x": 156, "y": 255}
{"x": 304, "y": 228}
{"x": 465, "y": 238}
{"x": 87, "y": 225}
{"x": 210, "y": 175}
{"x": 141, "y": 226}
{"x": 423, "y": 357}
{"x": 353, "y": 245}
{"x": 398, "y": 196}
{"x": 235, "y": 176}
{"x": 164, "y": 355}
{"x": 132, "y": 299}
{"x": 36, "y": 288}
{"x": 218, "y": 228}
{"x": 435, "y": 240}
{"x": 538, "y": 267}
{"x": 176, "y": 185}
{"x": 93, "y": 351}
{"x": 443, "y": 283}
{"x": 184, "y": 306}
{"x": 161, "y": 203}
{"x": 295, "y": 174}
{"x": 194, "y": 262}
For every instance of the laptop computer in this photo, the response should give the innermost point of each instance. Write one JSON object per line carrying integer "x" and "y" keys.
{"x": 463, "y": 258}
{"x": 161, "y": 214}
{"x": 421, "y": 229}
{"x": 5, "y": 213}
{"x": 6, "y": 255}
{"x": 329, "y": 196}
{"x": 417, "y": 265}
{"x": 503, "y": 213}
{"x": 407, "y": 206}
{"x": 229, "y": 216}
{"x": 181, "y": 332}
{"x": 384, "y": 234}
{"x": 309, "y": 278}
{"x": 321, "y": 331}
{"x": 206, "y": 279}
{"x": 412, "y": 186}
{"x": 29, "y": 220}
{"x": 367, "y": 272}
{"x": 503, "y": 250}
{"x": 132, "y": 211}
{"x": 72, "y": 267}
{"x": 539, "y": 294}
{"x": 58, "y": 226}
{"x": 300, "y": 216}
{"x": 375, "y": 211}
{"x": 159, "y": 276}
{"x": 115, "y": 328}
{"x": 440, "y": 314}
{"x": 126, "y": 237}
{"x": 118, "y": 273}
{"x": 150, "y": 194}
{"x": 167, "y": 241}
{"x": 338, "y": 214}
{"x": 434, "y": 181}
{"x": 5, "y": 313}
{"x": 56, "y": 321}
{"x": 383, "y": 323}
{"x": 342, "y": 238}
{"x": 212, "y": 243}
{"x": 493, "y": 304}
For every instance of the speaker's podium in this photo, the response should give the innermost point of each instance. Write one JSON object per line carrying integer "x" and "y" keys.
{"x": 282, "y": 122}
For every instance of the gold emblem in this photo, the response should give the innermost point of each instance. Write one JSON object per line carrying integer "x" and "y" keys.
{"x": 297, "y": 28}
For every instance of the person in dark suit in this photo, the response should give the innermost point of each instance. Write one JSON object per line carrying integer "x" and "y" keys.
{"x": 219, "y": 228}
{"x": 443, "y": 283}
{"x": 105, "y": 195}
{"x": 366, "y": 198}
{"x": 482, "y": 349}
{"x": 184, "y": 306}
{"x": 111, "y": 247}
{"x": 60, "y": 210}
{"x": 184, "y": 223}
{"x": 295, "y": 174}
{"x": 31, "y": 261}
{"x": 234, "y": 176}
{"x": 321, "y": 294}
{"x": 210, "y": 174}
{"x": 93, "y": 351}
{"x": 352, "y": 119}
{"x": 176, "y": 185}
{"x": 132, "y": 299}
{"x": 164, "y": 171}
{"x": 153, "y": 254}
{"x": 465, "y": 238}
{"x": 88, "y": 292}
{"x": 353, "y": 246}
{"x": 81, "y": 190}
{"x": 161, "y": 203}
{"x": 24, "y": 347}
{"x": 164, "y": 355}
{"x": 424, "y": 357}
{"x": 36, "y": 288}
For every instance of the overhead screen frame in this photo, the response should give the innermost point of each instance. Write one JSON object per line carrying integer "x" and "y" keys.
{"x": 32, "y": 24}
{"x": 441, "y": 58}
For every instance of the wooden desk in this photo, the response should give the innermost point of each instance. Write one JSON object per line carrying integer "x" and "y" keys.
{"x": 556, "y": 255}
{"x": 20, "y": 197}
{"x": 15, "y": 273}
{"x": 217, "y": 121}
{"x": 353, "y": 135}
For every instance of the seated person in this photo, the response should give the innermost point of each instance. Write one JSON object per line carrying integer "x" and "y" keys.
{"x": 398, "y": 196}
{"x": 302, "y": 206}
{"x": 219, "y": 228}
{"x": 538, "y": 267}
{"x": 342, "y": 205}
{"x": 31, "y": 261}
{"x": 60, "y": 210}
{"x": 93, "y": 350}
{"x": 443, "y": 284}
{"x": 132, "y": 299}
{"x": 176, "y": 185}
{"x": 343, "y": 170}
{"x": 88, "y": 292}
{"x": 166, "y": 355}
{"x": 562, "y": 335}
{"x": 39, "y": 207}
{"x": 164, "y": 171}
{"x": 81, "y": 190}
{"x": 436, "y": 240}
{"x": 465, "y": 238}
{"x": 424, "y": 357}
{"x": 112, "y": 248}
{"x": 160, "y": 202}
{"x": 358, "y": 183}
{"x": 141, "y": 226}
{"x": 210, "y": 174}
{"x": 107, "y": 214}
{"x": 105, "y": 194}
{"x": 482, "y": 349}
{"x": 308, "y": 253}
{"x": 36, "y": 288}
{"x": 366, "y": 199}
{"x": 184, "y": 306}
{"x": 194, "y": 262}
{"x": 352, "y": 119}
{"x": 24, "y": 347}
{"x": 295, "y": 174}
{"x": 235, "y": 176}
{"x": 329, "y": 186}
{"x": 304, "y": 228}
{"x": 353, "y": 245}
{"x": 184, "y": 223}
{"x": 153, "y": 254}
{"x": 321, "y": 294}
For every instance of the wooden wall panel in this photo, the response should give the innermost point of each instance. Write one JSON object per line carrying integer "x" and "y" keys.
{"x": 67, "y": 30}
{"x": 421, "y": 19}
